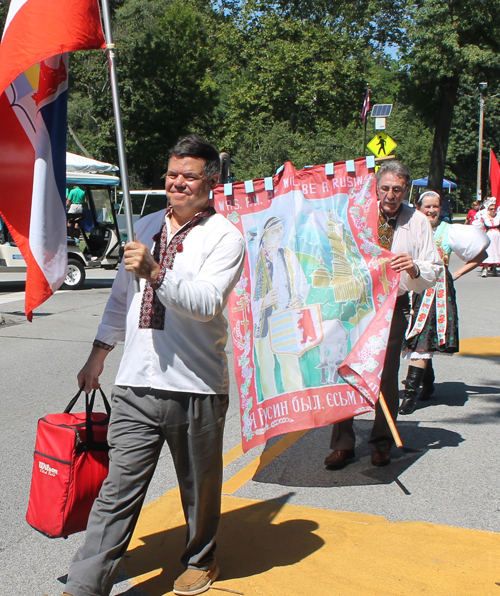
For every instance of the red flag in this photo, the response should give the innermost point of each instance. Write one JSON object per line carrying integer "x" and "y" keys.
{"x": 495, "y": 177}
{"x": 366, "y": 106}
{"x": 36, "y": 30}
{"x": 33, "y": 98}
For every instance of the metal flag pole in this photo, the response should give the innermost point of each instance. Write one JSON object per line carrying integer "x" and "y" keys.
{"x": 122, "y": 157}
{"x": 489, "y": 173}
{"x": 364, "y": 139}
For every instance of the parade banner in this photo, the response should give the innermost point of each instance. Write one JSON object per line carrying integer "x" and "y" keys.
{"x": 311, "y": 313}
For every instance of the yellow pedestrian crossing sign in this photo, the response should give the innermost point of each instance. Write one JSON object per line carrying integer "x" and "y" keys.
{"x": 382, "y": 145}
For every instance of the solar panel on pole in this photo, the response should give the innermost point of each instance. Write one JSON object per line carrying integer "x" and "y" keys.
{"x": 381, "y": 110}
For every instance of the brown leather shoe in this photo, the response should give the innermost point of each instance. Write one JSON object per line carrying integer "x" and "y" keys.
{"x": 338, "y": 458}
{"x": 381, "y": 458}
{"x": 195, "y": 581}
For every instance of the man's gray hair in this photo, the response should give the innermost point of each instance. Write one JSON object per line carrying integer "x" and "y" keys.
{"x": 397, "y": 168}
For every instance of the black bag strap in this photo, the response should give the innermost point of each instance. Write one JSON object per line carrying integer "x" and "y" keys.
{"x": 89, "y": 426}
{"x": 105, "y": 402}
{"x": 73, "y": 401}
{"x": 89, "y": 404}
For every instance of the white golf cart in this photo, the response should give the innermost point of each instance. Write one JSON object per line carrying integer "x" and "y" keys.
{"x": 143, "y": 202}
{"x": 93, "y": 235}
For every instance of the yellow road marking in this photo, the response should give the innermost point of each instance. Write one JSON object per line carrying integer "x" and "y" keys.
{"x": 231, "y": 455}
{"x": 173, "y": 512}
{"x": 248, "y": 472}
{"x": 480, "y": 346}
{"x": 272, "y": 548}
{"x": 269, "y": 548}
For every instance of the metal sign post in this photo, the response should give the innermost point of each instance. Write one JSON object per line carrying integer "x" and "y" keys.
{"x": 122, "y": 157}
{"x": 482, "y": 89}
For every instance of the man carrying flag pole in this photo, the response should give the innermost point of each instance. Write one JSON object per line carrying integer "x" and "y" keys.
{"x": 192, "y": 404}
{"x": 33, "y": 99}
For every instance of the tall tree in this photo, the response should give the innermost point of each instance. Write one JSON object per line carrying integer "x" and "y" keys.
{"x": 164, "y": 61}
{"x": 463, "y": 148}
{"x": 444, "y": 41}
{"x": 284, "y": 78}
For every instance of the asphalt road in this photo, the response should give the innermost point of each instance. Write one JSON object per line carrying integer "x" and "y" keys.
{"x": 446, "y": 474}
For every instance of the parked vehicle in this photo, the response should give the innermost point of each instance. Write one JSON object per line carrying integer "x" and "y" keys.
{"x": 144, "y": 202}
{"x": 93, "y": 235}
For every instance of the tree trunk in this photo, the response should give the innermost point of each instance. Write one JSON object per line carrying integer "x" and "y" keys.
{"x": 448, "y": 92}
{"x": 158, "y": 181}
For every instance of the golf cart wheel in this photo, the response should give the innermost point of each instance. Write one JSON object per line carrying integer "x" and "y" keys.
{"x": 75, "y": 276}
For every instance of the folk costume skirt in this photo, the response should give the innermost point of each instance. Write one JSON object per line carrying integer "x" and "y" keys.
{"x": 434, "y": 320}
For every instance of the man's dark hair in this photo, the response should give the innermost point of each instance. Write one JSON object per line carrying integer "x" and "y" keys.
{"x": 398, "y": 169}
{"x": 194, "y": 146}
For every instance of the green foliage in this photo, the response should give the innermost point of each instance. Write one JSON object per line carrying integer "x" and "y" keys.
{"x": 4, "y": 7}
{"x": 445, "y": 39}
{"x": 163, "y": 62}
{"x": 463, "y": 149}
{"x": 90, "y": 113}
{"x": 445, "y": 44}
{"x": 167, "y": 90}
{"x": 285, "y": 80}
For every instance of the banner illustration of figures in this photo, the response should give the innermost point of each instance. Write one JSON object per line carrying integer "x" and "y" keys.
{"x": 311, "y": 314}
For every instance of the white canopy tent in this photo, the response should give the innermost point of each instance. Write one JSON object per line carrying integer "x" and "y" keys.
{"x": 78, "y": 163}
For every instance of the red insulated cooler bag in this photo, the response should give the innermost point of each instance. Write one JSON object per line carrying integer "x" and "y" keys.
{"x": 71, "y": 463}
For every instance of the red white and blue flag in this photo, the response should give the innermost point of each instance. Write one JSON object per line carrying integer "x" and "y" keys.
{"x": 366, "y": 106}
{"x": 33, "y": 100}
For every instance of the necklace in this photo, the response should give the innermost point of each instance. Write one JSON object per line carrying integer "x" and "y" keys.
{"x": 174, "y": 225}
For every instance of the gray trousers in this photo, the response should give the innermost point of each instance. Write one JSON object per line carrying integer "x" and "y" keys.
{"x": 381, "y": 438}
{"x": 141, "y": 420}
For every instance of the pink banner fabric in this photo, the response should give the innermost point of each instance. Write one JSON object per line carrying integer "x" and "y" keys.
{"x": 311, "y": 313}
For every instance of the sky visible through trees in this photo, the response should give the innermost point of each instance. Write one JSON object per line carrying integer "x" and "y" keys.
{"x": 275, "y": 81}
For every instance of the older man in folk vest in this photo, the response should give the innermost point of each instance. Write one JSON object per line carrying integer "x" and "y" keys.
{"x": 407, "y": 233}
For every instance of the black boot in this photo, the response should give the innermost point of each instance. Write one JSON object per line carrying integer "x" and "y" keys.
{"x": 427, "y": 382}
{"x": 412, "y": 384}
